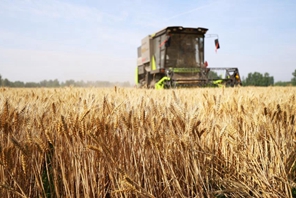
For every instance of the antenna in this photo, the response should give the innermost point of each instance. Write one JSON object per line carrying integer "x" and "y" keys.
{"x": 211, "y": 36}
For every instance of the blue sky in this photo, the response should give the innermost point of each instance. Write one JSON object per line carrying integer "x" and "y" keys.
{"x": 98, "y": 40}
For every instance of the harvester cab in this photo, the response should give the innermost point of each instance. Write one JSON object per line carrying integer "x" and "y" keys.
{"x": 174, "y": 57}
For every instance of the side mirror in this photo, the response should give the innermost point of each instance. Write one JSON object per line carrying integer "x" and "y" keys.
{"x": 217, "y": 45}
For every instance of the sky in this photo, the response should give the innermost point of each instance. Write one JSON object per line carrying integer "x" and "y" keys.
{"x": 94, "y": 40}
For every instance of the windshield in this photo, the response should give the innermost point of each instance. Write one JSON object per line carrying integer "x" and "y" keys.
{"x": 185, "y": 50}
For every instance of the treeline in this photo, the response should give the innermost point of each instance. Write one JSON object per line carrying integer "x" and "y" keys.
{"x": 264, "y": 80}
{"x": 253, "y": 79}
{"x": 55, "y": 83}
{"x": 258, "y": 79}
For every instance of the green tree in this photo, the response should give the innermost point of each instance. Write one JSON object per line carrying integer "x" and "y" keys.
{"x": 70, "y": 83}
{"x": 32, "y": 84}
{"x": 53, "y": 83}
{"x": 43, "y": 83}
{"x": 213, "y": 75}
{"x": 282, "y": 83}
{"x": 257, "y": 79}
{"x": 18, "y": 84}
{"x": 293, "y": 80}
{"x": 267, "y": 80}
{"x": 56, "y": 83}
{"x": 6, "y": 83}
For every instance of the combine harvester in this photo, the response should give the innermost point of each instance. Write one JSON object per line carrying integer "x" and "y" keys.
{"x": 174, "y": 57}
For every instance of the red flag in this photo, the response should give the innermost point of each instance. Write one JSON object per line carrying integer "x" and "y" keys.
{"x": 217, "y": 45}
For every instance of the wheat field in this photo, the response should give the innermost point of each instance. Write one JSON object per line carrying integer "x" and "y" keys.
{"x": 124, "y": 142}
